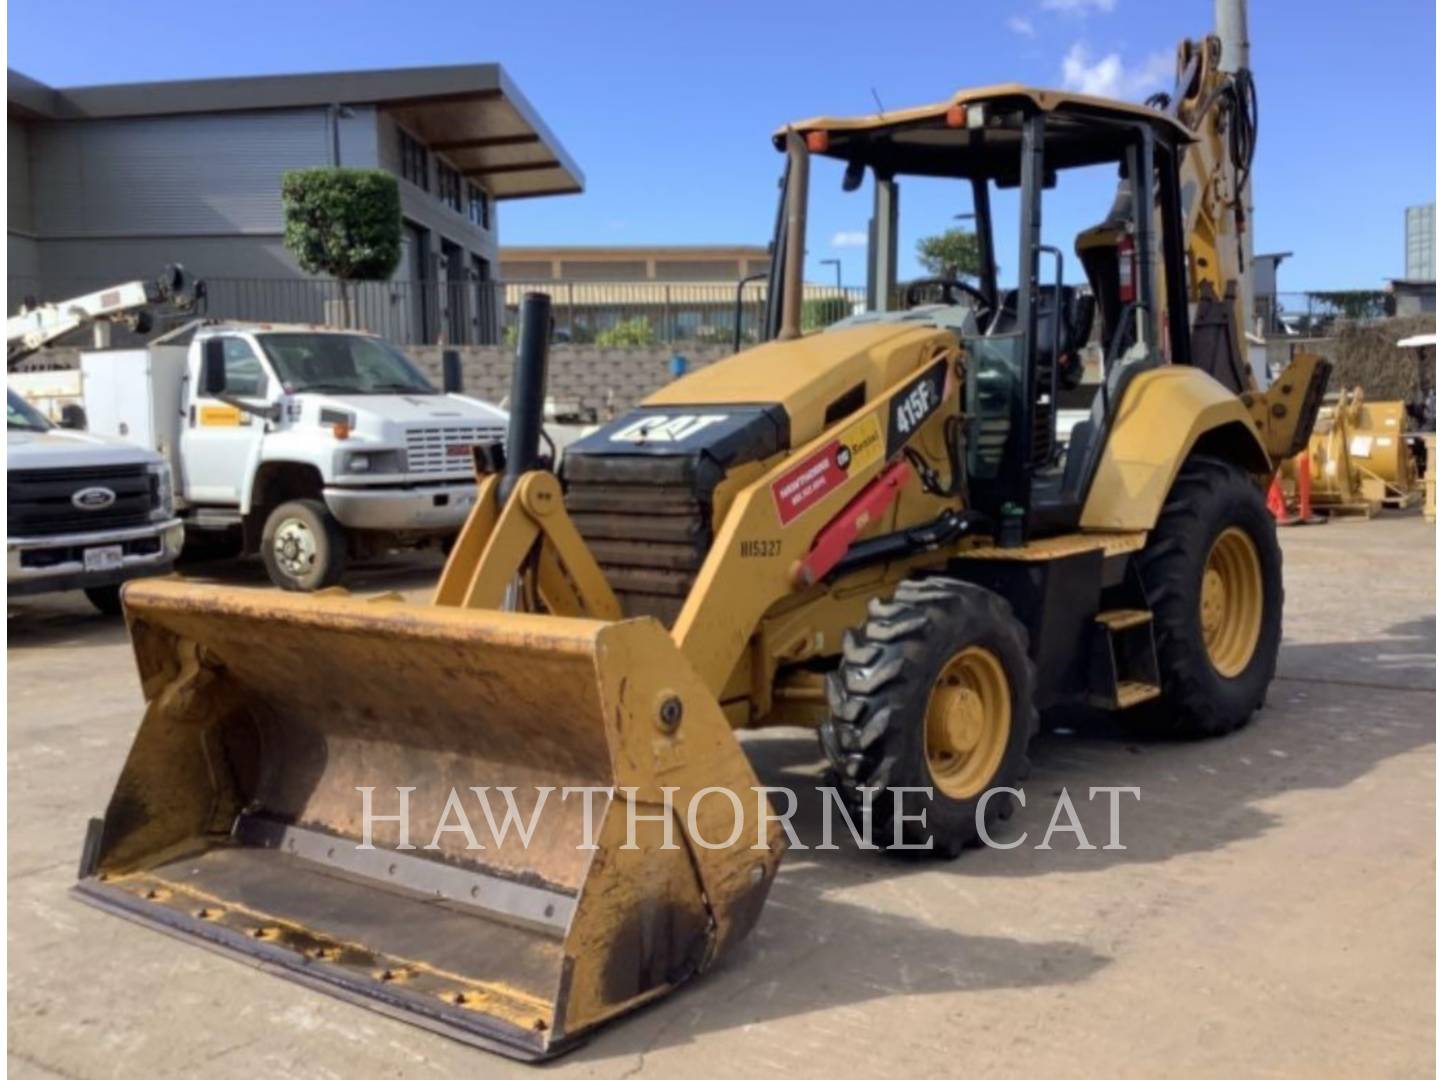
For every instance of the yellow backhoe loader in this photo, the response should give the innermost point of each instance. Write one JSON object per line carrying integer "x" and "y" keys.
{"x": 872, "y": 530}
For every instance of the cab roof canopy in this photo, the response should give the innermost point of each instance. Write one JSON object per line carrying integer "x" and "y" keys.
{"x": 976, "y": 133}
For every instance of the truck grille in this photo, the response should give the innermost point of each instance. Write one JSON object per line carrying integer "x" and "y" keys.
{"x": 445, "y": 449}
{"x": 40, "y": 499}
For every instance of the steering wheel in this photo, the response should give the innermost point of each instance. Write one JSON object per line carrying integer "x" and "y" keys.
{"x": 948, "y": 287}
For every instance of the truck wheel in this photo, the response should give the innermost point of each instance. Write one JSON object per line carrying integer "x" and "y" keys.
{"x": 935, "y": 691}
{"x": 303, "y": 546}
{"x": 1212, "y": 575}
{"x": 105, "y": 599}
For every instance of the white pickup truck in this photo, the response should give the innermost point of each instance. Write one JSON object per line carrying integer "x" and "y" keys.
{"x": 312, "y": 445}
{"x": 84, "y": 511}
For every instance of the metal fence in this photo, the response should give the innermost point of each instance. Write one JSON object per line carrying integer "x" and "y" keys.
{"x": 657, "y": 312}
{"x": 483, "y": 313}
{"x": 1314, "y": 314}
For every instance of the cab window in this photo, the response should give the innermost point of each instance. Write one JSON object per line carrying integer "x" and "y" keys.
{"x": 244, "y": 374}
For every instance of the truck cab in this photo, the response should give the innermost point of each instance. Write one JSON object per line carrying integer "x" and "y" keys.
{"x": 310, "y": 445}
{"x": 83, "y": 511}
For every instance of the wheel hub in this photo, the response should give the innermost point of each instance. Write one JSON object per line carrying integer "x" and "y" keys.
{"x": 967, "y": 723}
{"x": 294, "y": 547}
{"x": 1232, "y": 601}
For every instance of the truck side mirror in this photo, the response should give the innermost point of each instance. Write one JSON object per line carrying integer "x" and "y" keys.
{"x": 212, "y": 368}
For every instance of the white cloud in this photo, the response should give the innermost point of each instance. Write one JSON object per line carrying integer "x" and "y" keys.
{"x": 849, "y": 239}
{"x": 1020, "y": 25}
{"x": 1078, "y": 7}
{"x": 1108, "y": 75}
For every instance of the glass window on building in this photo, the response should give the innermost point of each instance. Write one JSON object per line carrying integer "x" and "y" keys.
{"x": 447, "y": 185}
{"x": 414, "y": 161}
{"x": 479, "y": 208}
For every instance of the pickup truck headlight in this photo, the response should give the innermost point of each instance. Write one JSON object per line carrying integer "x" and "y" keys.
{"x": 372, "y": 462}
{"x": 162, "y": 490}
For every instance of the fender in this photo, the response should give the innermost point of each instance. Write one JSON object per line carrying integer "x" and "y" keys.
{"x": 1166, "y": 415}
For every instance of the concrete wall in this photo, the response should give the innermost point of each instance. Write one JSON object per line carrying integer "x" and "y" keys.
{"x": 170, "y": 175}
{"x": 609, "y": 381}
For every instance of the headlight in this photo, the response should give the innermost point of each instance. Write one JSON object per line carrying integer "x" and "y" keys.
{"x": 162, "y": 490}
{"x": 366, "y": 462}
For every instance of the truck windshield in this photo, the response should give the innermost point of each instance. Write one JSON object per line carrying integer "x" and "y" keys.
{"x": 342, "y": 364}
{"x": 21, "y": 416}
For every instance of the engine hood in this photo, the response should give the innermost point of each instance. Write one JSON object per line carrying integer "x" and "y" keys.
{"x": 810, "y": 378}
{"x": 410, "y": 409}
{"x": 60, "y": 448}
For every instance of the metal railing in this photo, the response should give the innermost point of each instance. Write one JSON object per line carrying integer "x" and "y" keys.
{"x": 465, "y": 312}
{"x": 658, "y": 312}
{"x": 1314, "y": 314}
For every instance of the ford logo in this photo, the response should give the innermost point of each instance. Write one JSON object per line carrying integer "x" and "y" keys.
{"x": 93, "y": 498}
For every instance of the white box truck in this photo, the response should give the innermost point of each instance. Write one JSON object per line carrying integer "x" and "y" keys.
{"x": 312, "y": 445}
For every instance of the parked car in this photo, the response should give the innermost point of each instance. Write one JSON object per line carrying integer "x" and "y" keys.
{"x": 84, "y": 511}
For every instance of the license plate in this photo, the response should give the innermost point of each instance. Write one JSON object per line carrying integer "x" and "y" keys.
{"x": 103, "y": 558}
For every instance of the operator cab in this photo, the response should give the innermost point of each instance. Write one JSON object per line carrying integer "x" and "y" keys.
{"x": 1022, "y": 337}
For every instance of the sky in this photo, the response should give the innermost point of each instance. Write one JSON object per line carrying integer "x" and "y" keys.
{"x": 668, "y": 107}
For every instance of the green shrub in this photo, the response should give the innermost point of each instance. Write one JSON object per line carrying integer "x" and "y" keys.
{"x": 636, "y": 332}
{"x": 822, "y": 311}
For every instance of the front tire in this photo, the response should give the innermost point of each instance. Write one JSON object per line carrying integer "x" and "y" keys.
{"x": 936, "y": 691}
{"x": 1212, "y": 575}
{"x": 105, "y": 599}
{"x": 303, "y": 546}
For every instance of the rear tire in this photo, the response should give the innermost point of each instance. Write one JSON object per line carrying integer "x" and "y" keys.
{"x": 1211, "y": 559}
{"x": 105, "y": 599}
{"x": 303, "y": 546}
{"x": 936, "y": 690}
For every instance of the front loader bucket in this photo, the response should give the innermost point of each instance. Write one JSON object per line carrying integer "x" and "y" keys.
{"x": 239, "y": 817}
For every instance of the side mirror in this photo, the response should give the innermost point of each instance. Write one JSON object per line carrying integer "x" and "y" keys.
{"x": 72, "y": 417}
{"x": 212, "y": 368}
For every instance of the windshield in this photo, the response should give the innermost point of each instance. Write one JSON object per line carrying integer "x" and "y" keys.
{"x": 21, "y": 415}
{"x": 342, "y": 364}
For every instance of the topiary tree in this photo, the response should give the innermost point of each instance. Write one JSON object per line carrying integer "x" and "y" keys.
{"x": 343, "y": 223}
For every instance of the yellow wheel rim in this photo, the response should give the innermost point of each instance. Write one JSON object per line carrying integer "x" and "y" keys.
{"x": 1232, "y": 602}
{"x": 967, "y": 722}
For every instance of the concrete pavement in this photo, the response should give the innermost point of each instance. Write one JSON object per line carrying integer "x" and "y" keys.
{"x": 1273, "y": 913}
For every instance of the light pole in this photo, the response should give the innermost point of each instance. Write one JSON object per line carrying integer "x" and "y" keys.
{"x": 839, "y": 285}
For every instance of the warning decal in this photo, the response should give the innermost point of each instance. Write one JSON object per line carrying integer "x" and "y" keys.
{"x": 858, "y": 447}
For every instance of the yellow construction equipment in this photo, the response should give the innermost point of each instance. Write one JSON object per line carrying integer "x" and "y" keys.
{"x": 1360, "y": 457}
{"x": 872, "y": 530}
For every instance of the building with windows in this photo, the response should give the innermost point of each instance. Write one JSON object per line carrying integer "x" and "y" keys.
{"x": 109, "y": 183}
{"x": 693, "y": 292}
{"x": 672, "y": 263}
{"x": 1420, "y": 242}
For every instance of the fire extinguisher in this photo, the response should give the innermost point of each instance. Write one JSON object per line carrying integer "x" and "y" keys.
{"x": 1125, "y": 252}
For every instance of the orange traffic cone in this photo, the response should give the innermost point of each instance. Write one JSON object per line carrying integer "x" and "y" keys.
{"x": 1275, "y": 503}
{"x": 1307, "y": 516}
